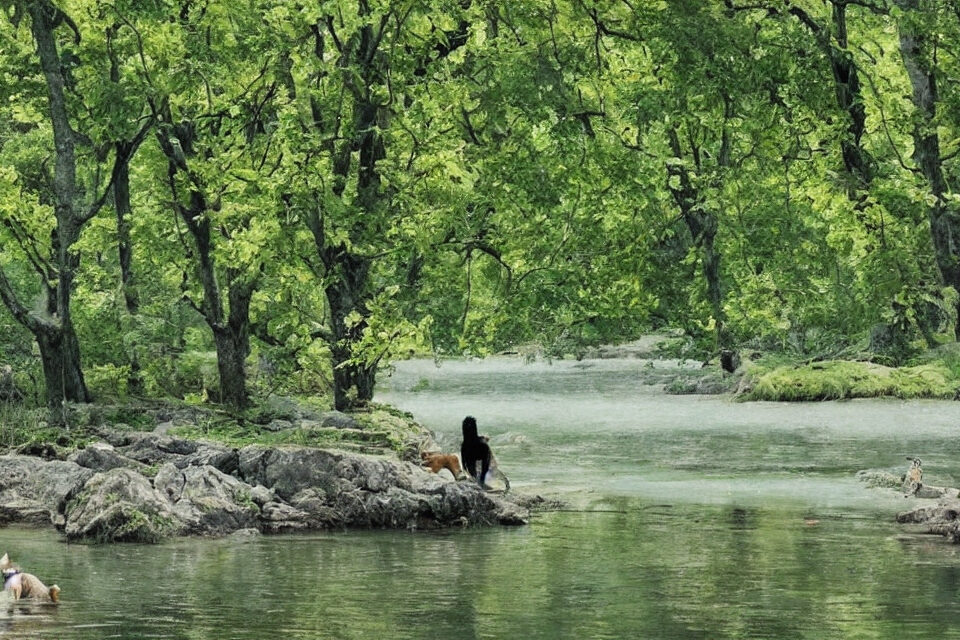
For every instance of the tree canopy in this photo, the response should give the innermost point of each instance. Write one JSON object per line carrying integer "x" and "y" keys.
{"x": 212, "y": 200}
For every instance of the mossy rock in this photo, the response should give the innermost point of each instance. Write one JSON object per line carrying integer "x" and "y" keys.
{"x": 839, "y": 379}
{"x": 119, "y": 505}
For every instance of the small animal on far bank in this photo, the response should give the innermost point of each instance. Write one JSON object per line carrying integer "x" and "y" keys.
{"x": 913, "y": 479}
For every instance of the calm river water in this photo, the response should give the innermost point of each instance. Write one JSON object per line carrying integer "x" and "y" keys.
{"x": 690, "y": 517}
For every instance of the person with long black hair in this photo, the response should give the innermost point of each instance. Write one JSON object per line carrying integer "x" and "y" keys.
{"x": 474, "y": 452}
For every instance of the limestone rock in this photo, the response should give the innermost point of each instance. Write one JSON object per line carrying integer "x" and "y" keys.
{"x": 279, "y": 517}
{"x": 29, "y": 486}
{"x": 206, "y": 500}
{"x": 288, "y": 470}
{"x": 942, "y": 518}
{"x": 153, "y": 449}
{"x": 120, "y": 505}
{"x": 215, "y": 455}
{"x": 102, "y": 456}
{"x": 338, "y": 420}
{"x": 880, "y": 479}
{"x": 278, "y": 425}
{"x": 354, "y": 490}
{"x": 262, "y": 495}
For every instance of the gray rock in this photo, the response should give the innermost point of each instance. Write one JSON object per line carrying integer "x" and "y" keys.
{"x": 320, "y": 513}
{"x": 29, "y": 486}
{"x": 880, "y": 478}
{"x": 278, "y": 425}
{"x": 101, "y": 456}
{"x": 282, "y": 489}
{"x": 16, "y": 509}
{"x": 930, "y": 491}
{"x": 215, "y": 455}
{"x": 120, "y": 506}
{"x": 288, "y": 470}
{"x": 338, "y": 420}
{"x": 164, "y": 427}
{"x": 206, "y": 500}
{"x": 261, "y": 495}
{"x": 151, "y": 448}
{"x": 942, "y": 518}
{"x": 119, "y": 437}
{"x": 354, "y": 490}
{"x": 279, "y": 517}
{"x": 281, "y": 407}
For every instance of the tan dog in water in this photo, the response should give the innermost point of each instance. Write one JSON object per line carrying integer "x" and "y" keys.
{"x": 436, "y": 461}
{"x": 26, "y": 585}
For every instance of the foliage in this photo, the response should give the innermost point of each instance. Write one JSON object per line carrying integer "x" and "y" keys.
{"x": 318, "y": 188}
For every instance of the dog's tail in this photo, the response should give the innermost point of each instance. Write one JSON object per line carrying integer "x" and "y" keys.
{"x": 55, "y": 593}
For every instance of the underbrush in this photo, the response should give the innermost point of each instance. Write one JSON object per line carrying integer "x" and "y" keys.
{"x": 29, "y": 430}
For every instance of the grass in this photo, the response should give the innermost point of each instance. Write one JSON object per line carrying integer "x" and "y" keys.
{"x": 840, "y": 379}
{"x": 29, "y": 430}
{"x": 381, "y": 429}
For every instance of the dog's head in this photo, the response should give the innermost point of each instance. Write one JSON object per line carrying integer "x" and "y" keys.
{"x": 915, "y": 462}
{"x": 5, "y": 562}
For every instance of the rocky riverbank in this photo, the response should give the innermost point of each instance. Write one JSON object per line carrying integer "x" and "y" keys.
{"x": 936, "y": 510}
{"x": 146, "y": 486}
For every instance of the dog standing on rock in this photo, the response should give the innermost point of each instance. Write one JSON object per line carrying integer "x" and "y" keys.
{"x": 437, "y": 461}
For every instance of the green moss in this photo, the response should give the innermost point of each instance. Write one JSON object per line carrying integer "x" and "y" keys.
{"x": 141, "y": 527}
{"x": 381, "y": 429}
{"x": 245, "y": 500}
{"x": 835, "y": 380}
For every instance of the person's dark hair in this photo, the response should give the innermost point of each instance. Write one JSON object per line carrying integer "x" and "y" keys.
{"x": 470, "y": 428}
{"x": 474, "y": 451}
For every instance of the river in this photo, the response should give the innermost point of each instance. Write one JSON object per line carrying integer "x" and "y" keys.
{"x": 688, "y": 517}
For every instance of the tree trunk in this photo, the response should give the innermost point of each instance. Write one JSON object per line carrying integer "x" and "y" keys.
{"x": 352, "y": 382}
{"x": 703, "y": 229}
{"x": 131, "y": 298}
{"x": 348, "y": 274}
{"x": 856, "y": 160}
{"x": 232, "y": 351}
{"x": 229, "y": 319}
{"x": 944, "y": 217}
{"x": 60, "y": 356}
{"x": 57, "y": 338}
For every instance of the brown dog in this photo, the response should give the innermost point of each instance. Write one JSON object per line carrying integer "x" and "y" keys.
{"x": 436, "y": 461}
{"x": 26, "y": 585}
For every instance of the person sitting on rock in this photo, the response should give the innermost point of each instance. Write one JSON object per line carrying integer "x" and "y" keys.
{"x": 474, "y": 451}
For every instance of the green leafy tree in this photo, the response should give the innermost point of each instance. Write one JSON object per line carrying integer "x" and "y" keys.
{"x": 54, "y": 206}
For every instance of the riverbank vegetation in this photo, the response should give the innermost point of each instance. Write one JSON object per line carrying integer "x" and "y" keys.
{"x": 213, "y": 203}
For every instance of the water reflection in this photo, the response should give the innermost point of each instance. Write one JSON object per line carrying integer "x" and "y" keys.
{"x": 691, "y": 518}
{"x": 630, "y": 570}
